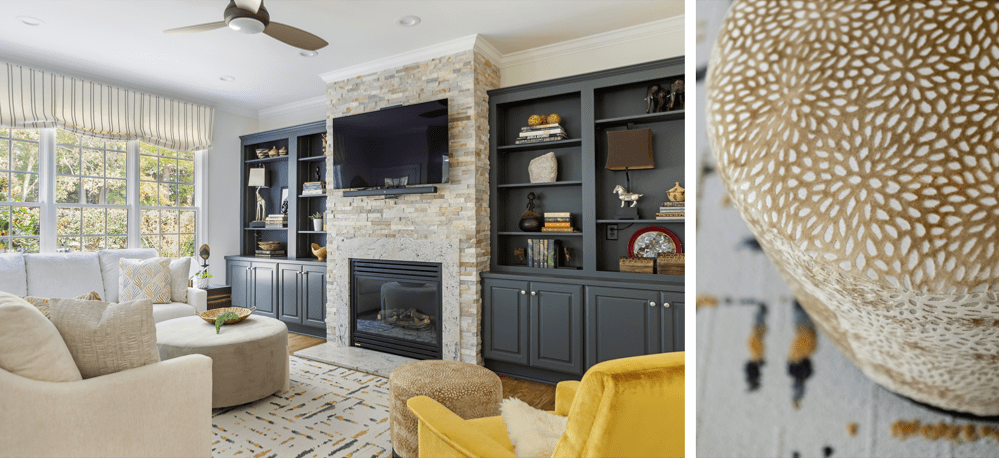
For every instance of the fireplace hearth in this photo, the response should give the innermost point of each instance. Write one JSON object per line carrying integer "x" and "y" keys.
{"x": 395, "y": 307}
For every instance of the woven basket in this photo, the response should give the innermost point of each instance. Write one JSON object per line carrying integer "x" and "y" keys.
{"x": 670, "y": 264}
{"x": 211, "y": 315}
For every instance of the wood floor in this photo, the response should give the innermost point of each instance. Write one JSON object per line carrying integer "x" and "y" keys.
{"x": 538, "y": 395}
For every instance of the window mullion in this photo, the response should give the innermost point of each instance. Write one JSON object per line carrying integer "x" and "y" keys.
{"x": 46, "y": 190}
{"x": 132, "y": 193}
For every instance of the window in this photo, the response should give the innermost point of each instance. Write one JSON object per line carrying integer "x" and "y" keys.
{"x": 20, "y": 212}
{"x": 90, "y": 187}
{"x": 166, "y": 200}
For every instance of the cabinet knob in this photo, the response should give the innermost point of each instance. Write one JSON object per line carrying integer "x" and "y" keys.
{"x": 534, "y": 293}
{"x": 652, "y": 304}
{"x": 666, "y": 304}
{"x": 523, "y": 292}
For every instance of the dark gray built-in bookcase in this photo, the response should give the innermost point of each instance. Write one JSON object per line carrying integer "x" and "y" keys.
{"x": 553, "y": 324}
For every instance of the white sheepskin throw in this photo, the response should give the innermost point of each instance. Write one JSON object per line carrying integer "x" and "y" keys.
{"x": 534, "y": 433}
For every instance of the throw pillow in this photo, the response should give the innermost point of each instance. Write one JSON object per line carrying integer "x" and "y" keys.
{"x": 144, "y": 278}
{"x": 30, "y": 345}
{"x": 180, "y": 272}
{"x": 534, "y": 433}
{"x": 42, "y": 304}
{"x": 106, "y": 337}
{"x": 109, "y": 266}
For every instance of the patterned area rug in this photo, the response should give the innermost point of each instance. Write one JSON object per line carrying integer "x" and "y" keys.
{"x": 329, "y": 411}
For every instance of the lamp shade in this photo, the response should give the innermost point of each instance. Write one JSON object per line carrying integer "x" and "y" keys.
{"x": 258, "y": 177}
{"x": 630, "y": 149}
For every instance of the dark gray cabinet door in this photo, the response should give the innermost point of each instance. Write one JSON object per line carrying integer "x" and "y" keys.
{"x": 314, "y": 295}
{"x": 289, "y": 287}
{"x": 621, "y": 323}
{"x": 672, "y": 322}
{"x": 238, "y": 275}
{"x": 557, "y": 327}
{"x": 264, "y": 284}
{"x": 505, "y": 320}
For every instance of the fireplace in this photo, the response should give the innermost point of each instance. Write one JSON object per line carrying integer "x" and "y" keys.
{"x": 395, "y": 307}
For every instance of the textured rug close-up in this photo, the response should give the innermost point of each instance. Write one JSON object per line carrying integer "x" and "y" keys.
{"x": 329, "y": 411}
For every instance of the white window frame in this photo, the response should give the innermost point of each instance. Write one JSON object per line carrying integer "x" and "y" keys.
{"x": 47, "y": 204}
{"x": 139, "y": 181}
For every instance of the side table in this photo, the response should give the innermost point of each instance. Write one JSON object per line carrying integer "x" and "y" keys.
{"x": 219, "y": 296}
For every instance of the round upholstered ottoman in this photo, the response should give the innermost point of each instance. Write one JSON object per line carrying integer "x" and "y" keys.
{"x": 858, "y": 141}
{"x": 470, "y": 391}
{"x": 249, "y": 358}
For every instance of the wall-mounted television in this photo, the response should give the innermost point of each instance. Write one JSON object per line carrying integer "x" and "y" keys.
{"x": 397, "y": 146}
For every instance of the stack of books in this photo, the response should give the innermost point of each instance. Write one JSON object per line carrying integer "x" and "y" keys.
{"x": 279, "y": 253}
{"x": 540, "y": 134}
{"x": 670, "y": 211}
{"x": 314, "y": 188}
{"x": 558, "y": 222}
{"x": 544, "y": 253}
{"x": 277, "y": 220}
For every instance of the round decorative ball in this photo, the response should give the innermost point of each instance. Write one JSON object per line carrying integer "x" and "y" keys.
{"x": 866, "y": 169}
{"x": 535, "y": 120}
{"x": 553, "y": 119}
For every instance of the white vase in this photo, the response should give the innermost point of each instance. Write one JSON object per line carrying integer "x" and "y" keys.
{"x": 317, "y": 224}
{"x": 200, "y": 283}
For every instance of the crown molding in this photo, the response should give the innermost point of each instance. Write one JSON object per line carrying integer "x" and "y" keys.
{"x": 664, "y": 27}
{"x": 399, "y": 60}
{"x": 299, "y": 105}
{"x": 487, "y": 50}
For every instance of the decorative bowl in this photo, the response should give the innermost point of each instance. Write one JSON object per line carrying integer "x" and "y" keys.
{"x": 269, "y": 245}
{"x": 261, "y": 153}
{"x": 211, "y": 315}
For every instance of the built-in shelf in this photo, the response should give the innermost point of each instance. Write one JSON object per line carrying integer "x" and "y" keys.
{"x": 630, "y": 221}
{"x": 311, "y": 195}
{"x": 311, "y": 232}
{"x": 266, "y": 160}
{"x": 640, "y": 119}
{"x": 540, "y": 145}
{"x": 312, "y": 159}
{"x": 532, "y": 185}
{"x": 265, "y": 228}
{"x": 543, "y": 234}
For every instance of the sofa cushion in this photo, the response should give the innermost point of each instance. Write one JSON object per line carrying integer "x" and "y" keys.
{"x": 163, "y": 312}
{"x": 63, "y": 274}
{"x": 109, "y": 267}
{"x": 106, "y": 337}
{"x": 30, "y": 345}
{"x": 42, "y": 303}
{"x": 144, "y": 278}
{"x": 12, "y": 277}
{"x": 180, "y": 272}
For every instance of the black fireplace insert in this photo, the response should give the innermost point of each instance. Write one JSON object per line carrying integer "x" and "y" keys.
{"x": 395, "y": 307}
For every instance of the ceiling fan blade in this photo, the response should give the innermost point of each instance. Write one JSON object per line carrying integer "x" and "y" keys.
{"x": 248, "y": 5}
{"x": 294, "y": 37}
{"x": 197, "y": 28}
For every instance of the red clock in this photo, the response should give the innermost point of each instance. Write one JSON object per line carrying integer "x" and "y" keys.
{"x": 650, "y": 241}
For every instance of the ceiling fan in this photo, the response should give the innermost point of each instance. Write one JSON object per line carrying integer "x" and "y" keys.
{"x": 250, "y": 16}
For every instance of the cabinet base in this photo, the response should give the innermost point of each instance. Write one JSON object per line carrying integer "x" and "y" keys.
{"x": 528, "y": 373}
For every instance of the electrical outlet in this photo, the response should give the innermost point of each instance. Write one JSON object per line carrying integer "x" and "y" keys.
{"x": 611, "y": 232}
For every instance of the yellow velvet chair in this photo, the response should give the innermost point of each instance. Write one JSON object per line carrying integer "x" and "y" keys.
{"x": 629, "y": 407}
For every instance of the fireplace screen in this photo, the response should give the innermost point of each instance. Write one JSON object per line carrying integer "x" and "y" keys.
{"x": 396, "y": 307}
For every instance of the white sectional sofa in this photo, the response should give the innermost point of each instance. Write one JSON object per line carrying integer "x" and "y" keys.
{"x": 72, "y": 274}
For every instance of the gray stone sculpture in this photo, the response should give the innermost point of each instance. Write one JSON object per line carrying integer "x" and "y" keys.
{"x": 543, "y": 169}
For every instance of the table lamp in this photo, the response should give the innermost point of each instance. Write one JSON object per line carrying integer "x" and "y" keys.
{"x": 629, "y": 150}
{"x": 258, "y": 179}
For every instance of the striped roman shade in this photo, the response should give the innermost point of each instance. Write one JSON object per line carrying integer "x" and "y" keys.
{"x": 34, "y": 99}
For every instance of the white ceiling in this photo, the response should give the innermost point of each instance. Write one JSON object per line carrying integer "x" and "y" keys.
{"x": 121, "y": 41}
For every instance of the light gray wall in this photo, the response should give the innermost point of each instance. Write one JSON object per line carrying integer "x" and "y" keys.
{"x": 223, "y": 196}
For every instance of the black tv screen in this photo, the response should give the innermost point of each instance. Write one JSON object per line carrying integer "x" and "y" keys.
{"x": 405, "y": 145}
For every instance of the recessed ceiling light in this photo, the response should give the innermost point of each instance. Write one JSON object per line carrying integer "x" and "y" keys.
{"x": 227, "y": 78}
{"x": 28, "y": 20}
{"x": 408, "y": 21}
{"x": 307, "y": 53}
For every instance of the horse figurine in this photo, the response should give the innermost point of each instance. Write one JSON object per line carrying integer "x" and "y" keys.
{"x": 626, "y": 196}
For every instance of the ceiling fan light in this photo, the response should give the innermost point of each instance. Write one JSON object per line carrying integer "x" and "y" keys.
{"x": 246, "y": 25}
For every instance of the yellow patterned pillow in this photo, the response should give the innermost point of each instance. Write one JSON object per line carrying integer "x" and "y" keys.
{"x": 144, "y": 279}
{"x": 42, "y": 304}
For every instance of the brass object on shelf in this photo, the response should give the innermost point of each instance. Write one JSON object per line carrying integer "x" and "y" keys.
{"x": 319, "y": 251}
{"x": 676, "y": 193}
{"x": 535, "y": 120}
{"x": 553, "y": 118}
{"x": 670, "y": 264}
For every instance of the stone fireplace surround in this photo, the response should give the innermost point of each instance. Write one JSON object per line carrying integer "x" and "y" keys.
{"x": 450, "y": 227}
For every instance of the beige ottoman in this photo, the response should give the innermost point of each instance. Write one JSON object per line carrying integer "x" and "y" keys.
{"x": 468, "y": 390}
{"x": 249, "y": 358}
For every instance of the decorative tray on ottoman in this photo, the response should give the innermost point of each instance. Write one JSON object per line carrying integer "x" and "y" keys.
{"x": 210, "y": 315}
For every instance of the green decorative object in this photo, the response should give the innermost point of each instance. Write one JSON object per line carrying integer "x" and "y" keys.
{"x": 223, "y": 318}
